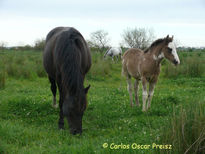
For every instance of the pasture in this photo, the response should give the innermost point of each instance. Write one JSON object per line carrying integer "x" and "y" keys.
{"x": 28, "y": 122}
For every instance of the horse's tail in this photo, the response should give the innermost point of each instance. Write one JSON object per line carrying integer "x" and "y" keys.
{"x": 123, "y": 67}
{"x": 68, "y": 59}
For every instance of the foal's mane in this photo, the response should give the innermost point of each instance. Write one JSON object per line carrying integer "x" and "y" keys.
{"x": 155, "y": 43}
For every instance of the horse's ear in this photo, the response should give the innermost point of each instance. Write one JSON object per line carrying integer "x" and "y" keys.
{"x": 86, "y": 89}
{"x": 172, "y": 37}
{"x": 168, "y": 39}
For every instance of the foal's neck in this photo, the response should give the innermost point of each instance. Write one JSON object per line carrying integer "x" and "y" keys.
{"x": 155, "y": 56}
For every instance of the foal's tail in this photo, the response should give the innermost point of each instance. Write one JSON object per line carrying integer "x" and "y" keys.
{"x": 124, "y": 72}
{"x": 124, "y": 68}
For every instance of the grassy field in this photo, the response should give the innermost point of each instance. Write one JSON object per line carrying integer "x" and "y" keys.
{"x": 28, "y": 122}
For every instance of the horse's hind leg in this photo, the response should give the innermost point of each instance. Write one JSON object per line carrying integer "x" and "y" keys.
{"x": 53, "y": 89}
{"x": 61, "y": 115}
{"x": 61, "y": 119}
{"x": 129, "y": 88}
{"x": 136, "y": 86}
{"x": 144, "y": 93}
{"x": 151, "y": 92}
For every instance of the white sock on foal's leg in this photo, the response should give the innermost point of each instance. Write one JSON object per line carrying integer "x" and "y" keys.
{"x": 144, "y": 95}
{"x": 129, "y": 88}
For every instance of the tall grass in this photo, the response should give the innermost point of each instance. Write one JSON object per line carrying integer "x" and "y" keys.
{"x": 2, "y": 79}
{"x": 100, "y": 67}
{"x": 186, "y": 132}
{"x": 192, "y": 66}
{"x": 26, "y": 65}
{"x": 2, "y": 75}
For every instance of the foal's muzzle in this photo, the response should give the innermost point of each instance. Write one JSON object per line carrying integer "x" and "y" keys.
{"x": 175, "y": 62}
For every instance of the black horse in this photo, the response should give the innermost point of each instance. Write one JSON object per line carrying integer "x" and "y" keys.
{"x": 67, "y": 59}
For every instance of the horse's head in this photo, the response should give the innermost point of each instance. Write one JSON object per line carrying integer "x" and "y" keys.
{"x": 73, "y": 109}
{"x": 169, "y": 50}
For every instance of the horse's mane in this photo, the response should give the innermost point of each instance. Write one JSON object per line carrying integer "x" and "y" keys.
{"x": 155, "y": 43}
{"x": 68, "y": 59}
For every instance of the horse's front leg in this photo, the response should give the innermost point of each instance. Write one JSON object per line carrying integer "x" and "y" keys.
{"x": 144, "y": 93}
{"x": 151, "y": 92}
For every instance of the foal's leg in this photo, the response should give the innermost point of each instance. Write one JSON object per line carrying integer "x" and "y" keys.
{"x": 144, "y": 93}
{"x": 136, "y": 86}
{"x": 129, "y": 88}
{"x": 151, "y": 92}
{"x": 53, "y": 89}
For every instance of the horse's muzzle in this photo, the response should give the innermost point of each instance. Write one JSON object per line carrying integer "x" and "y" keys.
{"x": 175, "y": 62}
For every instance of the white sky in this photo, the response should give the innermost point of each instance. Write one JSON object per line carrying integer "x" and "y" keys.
{"x": 24, "y": 21}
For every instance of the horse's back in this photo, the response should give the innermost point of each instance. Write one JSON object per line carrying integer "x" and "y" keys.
{"x": 132, "y": 54}
{"x": 56, "y": 42}
{"x": 130, "y": 62}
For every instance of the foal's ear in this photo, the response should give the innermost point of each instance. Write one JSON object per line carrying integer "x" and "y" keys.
{"x": 86, "y": 89}
{"x": 168, "y": 39}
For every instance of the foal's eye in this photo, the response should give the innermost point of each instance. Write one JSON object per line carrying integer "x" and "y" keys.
{"x": 169, "y": 50}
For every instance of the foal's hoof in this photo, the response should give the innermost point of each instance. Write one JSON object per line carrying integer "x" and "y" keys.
{"x": 138, "y": 104}
{"x": 144, "y": 110}
{"x": 55, "y": 106}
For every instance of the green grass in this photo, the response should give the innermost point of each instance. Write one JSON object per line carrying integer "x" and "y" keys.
{"x": 187, "y": 129}
{"x": 191, "y": 66}
{"x": 28, "y": 123}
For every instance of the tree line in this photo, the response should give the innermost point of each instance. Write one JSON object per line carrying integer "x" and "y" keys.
{"x": 131, "y": 38}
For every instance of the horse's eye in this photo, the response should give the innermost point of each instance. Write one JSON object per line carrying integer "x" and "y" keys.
{"x": 169, "y": 50}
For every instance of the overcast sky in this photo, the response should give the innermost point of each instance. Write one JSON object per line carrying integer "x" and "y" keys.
{"x": 24, "y": 21}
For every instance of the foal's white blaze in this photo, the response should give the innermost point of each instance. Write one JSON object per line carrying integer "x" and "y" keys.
{"x": 174, "y": 51}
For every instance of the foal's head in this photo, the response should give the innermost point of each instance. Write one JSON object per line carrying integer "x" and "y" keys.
{"x": 73, "y": 109}
{"x": 169, "y": 50}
